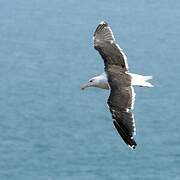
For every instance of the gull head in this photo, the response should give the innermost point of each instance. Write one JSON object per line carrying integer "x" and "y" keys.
{"x": 98, "y": 81}
{"x": 91, "y": 83}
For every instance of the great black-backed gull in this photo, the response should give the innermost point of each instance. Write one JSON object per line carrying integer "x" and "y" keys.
{"x": 120, "y": 82}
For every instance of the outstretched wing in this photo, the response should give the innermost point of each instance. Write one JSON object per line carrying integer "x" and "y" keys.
{"x": 121, "y": 102}
{"x": 121, "y": 99}
{"x": 104, "y": 43}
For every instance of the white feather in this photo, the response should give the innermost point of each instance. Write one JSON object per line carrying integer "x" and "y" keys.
{"x": 139, "y": 80}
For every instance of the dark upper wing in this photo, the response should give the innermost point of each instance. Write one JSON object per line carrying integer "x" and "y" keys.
{"x": 122, "y": 95}
{"x": 104, "y": 43}
{"x": 121, "y": 101}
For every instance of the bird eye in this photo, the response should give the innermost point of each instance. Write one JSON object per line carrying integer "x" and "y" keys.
{"x": 91, "y": 81}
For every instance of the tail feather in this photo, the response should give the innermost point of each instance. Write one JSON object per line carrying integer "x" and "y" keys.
{"x": 148, "y": 84}
{"x": 147, "y": 77}
{"x": 139, "y": 80}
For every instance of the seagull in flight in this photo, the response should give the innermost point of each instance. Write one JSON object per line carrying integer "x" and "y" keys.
{"x": 119, "y": 81}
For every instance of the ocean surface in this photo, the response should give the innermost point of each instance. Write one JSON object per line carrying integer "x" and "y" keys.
{"x": 49, "y": 128}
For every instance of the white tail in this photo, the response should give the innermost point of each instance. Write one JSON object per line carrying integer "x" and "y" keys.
{"x": 139, "y": 80}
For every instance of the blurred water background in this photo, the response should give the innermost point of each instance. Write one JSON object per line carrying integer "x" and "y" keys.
{"x": 49, "y": 129}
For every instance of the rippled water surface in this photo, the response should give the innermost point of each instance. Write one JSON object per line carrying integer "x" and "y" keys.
{"x": 49, "y": 129}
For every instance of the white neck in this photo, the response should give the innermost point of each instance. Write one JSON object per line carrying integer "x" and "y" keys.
{"x": 101, "y": 81}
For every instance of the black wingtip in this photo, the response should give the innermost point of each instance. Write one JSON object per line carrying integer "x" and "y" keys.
{"x": 127, "y": 139}
{"x": 101, "y": 25}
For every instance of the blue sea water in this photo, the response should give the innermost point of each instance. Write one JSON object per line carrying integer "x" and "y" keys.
{"x": 49, "y": 129}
